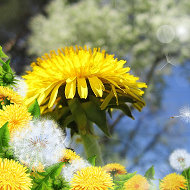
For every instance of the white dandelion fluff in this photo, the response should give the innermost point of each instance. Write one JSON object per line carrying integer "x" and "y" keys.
{"x": 76, "y": 165}
{"x": 184, "y": 114}
{"x": 20, "y": 87}
{"x": 42, "y": 142}
{"x": 180, "y": 159}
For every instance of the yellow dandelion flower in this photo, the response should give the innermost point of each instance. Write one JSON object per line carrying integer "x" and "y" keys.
{"x": 69, "y": 156}
{"x": 17, "y": 116}
{"x": 173, "y": 181}
{"x": 13, "y": 176}
{"x": 115, "y": 168}
{"x": 11, "y": 95}
{"x": 80, "y": 69}
{"x": 137, "y": 182}
{"x": 91, "y": 178}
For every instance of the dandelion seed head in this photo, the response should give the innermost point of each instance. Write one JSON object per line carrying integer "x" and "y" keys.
{"x": 179, "y": 159}
{"x": 76, "y": 165}
{"x": 41, "y": 142}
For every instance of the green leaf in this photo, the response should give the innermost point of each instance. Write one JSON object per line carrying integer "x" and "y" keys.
{"x": 186, "y": 174}
{"x": 92, "y": 160}
{"x": 4, "y": 137}
{"x": 124, "y": 108}
{"x": 125, "y": 177}
{"x": 2, "y": 54}
{"x": 96, "y": 115}
{"x": 34, "y": 109}
{"x": 150, "y": 173}
{"x": 121, "y": 179}
{"x": 46, "y": 178}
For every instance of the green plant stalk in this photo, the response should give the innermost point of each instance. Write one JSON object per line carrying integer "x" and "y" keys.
{"x": 91, "y": 145}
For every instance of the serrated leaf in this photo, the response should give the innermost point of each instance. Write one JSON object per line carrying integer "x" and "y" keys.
{"x": 4, "y": 136}
{"x": 96, "y": 115}
{"x": 34, "y": 109}
{"x": 92, "y": 160}
{"x": 45, "y": 180}
{"x": 150, "y": 173}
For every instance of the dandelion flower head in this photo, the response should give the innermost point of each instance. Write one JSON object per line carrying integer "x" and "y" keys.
{"x": 83, "y": 69}
{"x": 137, "y": 182}
{"x": 93, "y": 178}
{"x": 42, "y": 142}
{"x": 69, "y": 155}
{"x": 180, "y": 159}
{"x": 17, "y": 116}
{"x": 11, "y": 95}
{"x": 115, "y": 168}
{"x": 173, "y": 181}
{"x": 13, "y": 176}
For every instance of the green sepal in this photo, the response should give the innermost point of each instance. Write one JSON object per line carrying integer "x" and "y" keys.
{"x": 60, "y": 184}
{"x": 34, "y": 109}
{"x": 68, "y": 120}
{"x": 4, "y": 137}
{"x": 96, "y": 115}
{"x": 150, "y": 173}
{"x": 45, "y": 179}
{"x": 107, "y": 100}
{"x": 92, "y": 160}
{"x": 123, "y": 107}
{"x": 78, "y": 114}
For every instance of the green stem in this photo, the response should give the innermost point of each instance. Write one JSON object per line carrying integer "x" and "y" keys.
{"x": 91, "y": 145}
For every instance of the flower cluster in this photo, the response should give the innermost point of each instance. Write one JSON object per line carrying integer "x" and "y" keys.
{"x": 39, "y": 143}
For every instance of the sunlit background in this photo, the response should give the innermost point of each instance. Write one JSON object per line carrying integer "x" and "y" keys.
{"x": 154, "y": 38}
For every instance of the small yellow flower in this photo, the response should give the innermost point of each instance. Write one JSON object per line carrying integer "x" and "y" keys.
{"x": 11, "y": 95}
{"x": 91, "y": 178}
{"x": 80, "y": 69}
{"x": 13, "y": 176}
{"x": 17, "y": 116}
{"x": 173, "y": 181}
{"x": 69, "y": 156}
{"x": 115, "y": 168}
{"x": 137, "y": 182}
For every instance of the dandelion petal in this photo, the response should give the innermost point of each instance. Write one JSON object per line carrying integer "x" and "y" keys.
{"x": 82, "y": 87}
{"x": 96, "y": 85}
{"x": 70, "y": 89}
